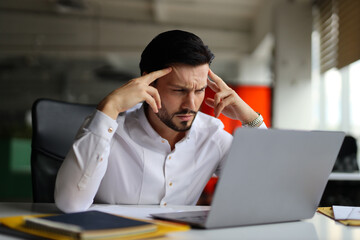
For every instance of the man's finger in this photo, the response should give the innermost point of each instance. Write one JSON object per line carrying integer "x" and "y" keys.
{"x": 152, "y": 103}
{"x": 149, "y": 78}
{"x": 220, "y": 83}
{"x": 155, "y": 94}
{"x": 222, "y": 105}
{"x": 210, "y": 102}
{"x": 213, "y": 85}
{"x": 220, "y": 96}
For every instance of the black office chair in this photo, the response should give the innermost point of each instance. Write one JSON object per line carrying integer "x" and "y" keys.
{"x": 55, "y": 124}
{"x": 343, "y": 192}
{"x": 347, "y": 159}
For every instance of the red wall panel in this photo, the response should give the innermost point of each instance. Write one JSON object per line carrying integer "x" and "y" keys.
{"x": 258, "y": 98}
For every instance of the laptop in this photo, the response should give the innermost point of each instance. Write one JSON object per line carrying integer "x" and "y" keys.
{"x": 269, "y": 176}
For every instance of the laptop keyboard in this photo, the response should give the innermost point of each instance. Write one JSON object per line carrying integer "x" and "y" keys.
{"x": 200, "y": 218}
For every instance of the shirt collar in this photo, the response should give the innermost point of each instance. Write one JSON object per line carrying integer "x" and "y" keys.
{"x": 146, "y": 125}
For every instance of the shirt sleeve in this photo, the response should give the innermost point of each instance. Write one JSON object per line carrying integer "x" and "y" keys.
{"x": 263, "y": 125}
{"x": 84, "y": 166}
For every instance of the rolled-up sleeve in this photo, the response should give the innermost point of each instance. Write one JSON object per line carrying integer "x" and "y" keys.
{"x": 81, "y": 172}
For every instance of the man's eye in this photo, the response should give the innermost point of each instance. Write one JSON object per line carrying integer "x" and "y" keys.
{"x": 178, "y": 90}
{"x": 200, "y": 90}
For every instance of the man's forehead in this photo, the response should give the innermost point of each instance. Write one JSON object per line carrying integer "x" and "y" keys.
{"x": 188, "y": 69}
{"x": 185, "y": 75}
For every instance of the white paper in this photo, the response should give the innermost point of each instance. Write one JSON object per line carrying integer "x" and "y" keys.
{"x": 346, "y": 213}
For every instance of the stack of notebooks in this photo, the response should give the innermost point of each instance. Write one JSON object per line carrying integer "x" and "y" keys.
{"x": 90, "y": 225}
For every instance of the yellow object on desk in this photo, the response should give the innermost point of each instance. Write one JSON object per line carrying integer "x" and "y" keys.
{"x": 17, "y": 223}
{"x": 327, "y": 211}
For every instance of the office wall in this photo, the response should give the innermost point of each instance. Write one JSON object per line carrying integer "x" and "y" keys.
{"x": 293, "y": 102}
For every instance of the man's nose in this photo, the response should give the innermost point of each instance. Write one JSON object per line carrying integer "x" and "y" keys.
{"x": 189, "y": 101}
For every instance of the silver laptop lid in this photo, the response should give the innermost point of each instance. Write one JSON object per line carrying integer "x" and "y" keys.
{"x": 273, "y": 176}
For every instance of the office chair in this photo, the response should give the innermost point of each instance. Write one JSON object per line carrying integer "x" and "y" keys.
{"x": 55, "y": 124}
{"x": 344, "y": 192}
{"x": 347, "y": 159}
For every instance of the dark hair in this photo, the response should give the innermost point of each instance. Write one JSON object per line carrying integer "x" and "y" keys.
{"x": 173, "y": 47}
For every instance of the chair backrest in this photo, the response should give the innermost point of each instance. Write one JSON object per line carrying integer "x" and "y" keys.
{"x": 347, "y": 159}
{"x": 55, "y": 124}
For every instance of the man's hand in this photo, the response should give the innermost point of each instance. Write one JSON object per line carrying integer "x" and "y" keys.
{"x": 228, "y": 102}
{"x": 133, "y": 92}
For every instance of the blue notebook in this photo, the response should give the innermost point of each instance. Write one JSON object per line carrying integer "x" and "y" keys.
{"x": 90, "y": 225}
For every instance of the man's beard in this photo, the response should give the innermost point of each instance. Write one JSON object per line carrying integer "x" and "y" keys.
{"x": 167, "y": 119}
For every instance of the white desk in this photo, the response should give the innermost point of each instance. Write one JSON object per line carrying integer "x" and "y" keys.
{"x": 319, "y": 227}
{"x": 344, "y": 176}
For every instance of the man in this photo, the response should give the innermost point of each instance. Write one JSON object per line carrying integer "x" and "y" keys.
{"x": 163, "y": 151}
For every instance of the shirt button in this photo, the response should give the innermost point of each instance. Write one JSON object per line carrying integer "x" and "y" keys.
{"x": 165, "y": 203}
{"x": 170, "y": 184}
{"x": 110, "y": 130}
{"x": 101, "y": 159}
{"x": 169, "y": 157}
{"x": 163, "y": 141}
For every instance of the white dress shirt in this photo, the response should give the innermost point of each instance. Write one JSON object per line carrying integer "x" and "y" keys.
{"x": 127, "y": 162}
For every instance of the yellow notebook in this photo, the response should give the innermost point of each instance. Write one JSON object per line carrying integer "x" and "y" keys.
{"x": 17, "y": 223}
{"x": 327, "y": 211}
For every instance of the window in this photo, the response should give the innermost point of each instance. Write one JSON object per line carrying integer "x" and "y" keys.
{"x": 332, "y": 102}
{"x": 336, "y": 66}
{"x": 354, "y": 96}
{"x": 338, "y": 101}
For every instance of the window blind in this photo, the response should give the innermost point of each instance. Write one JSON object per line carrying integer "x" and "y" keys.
{"x": 338, "y": 22}
{"x": 328, "y": 28}
{"x": 349, "y": 32}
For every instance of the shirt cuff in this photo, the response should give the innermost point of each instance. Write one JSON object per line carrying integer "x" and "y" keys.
{"x": 263, "y": 125}
{"x": 102, "y": 125}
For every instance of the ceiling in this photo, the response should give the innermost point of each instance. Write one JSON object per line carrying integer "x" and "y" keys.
{"x": 123, "y": 26}
{"x": 235, "y": 15}
{"x": 119, "y": 29}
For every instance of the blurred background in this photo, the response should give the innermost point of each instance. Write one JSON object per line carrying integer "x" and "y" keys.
{"x": 296, "y": 62}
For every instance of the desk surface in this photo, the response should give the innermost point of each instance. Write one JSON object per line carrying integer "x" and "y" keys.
{"x": 319, "y": 227}
{"x": 339, "y": 176}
